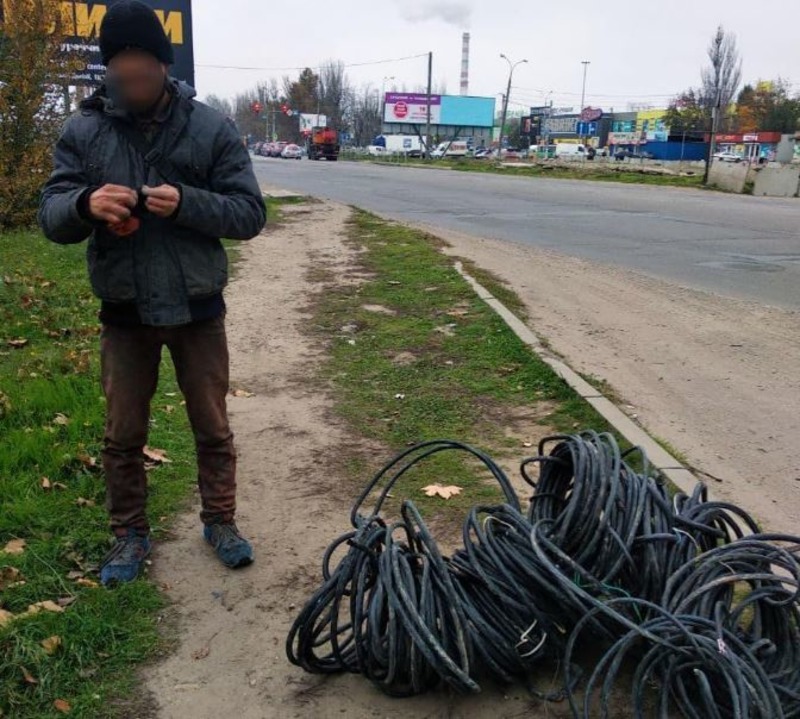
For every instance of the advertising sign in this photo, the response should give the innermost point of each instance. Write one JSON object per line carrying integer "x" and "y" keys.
{"x": 82, "y": 28}
{"x": 591, "y": 114}
{"x": 310, "y": 120}
{"x": 411, "y": 108}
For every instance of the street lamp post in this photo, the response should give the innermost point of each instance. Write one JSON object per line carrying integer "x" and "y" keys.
{"x": 511, "y": 67}
{"x": 585, "y": 64}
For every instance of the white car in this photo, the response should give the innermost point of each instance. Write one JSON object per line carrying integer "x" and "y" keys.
{"x": 727, "y": 157}
{"x": 292, "y": 152}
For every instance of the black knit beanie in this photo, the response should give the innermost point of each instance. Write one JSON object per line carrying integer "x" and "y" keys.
{"x": 130, "y": 24}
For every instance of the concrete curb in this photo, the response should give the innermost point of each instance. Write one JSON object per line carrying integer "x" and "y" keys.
{"x": 662, "y": 460}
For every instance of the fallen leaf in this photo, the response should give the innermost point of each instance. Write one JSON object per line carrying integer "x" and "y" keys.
{"x": 61, "y": 419}
{"x": 170, "y": 394}
{"x": 10, "y": 577}
{"x": 45, "y": 483}
{"x": 83, "y": 502}
{"x": 18, "y": 343}
{"x": 5, "y": 617}
{"x": 59, "y": 485}
{"x": 15, "y": 546}
{"x": 51, "y": 644}
{"x": 45, "y": 606}
{"x": 65, "y": 601}
{"x": 527, "y": 444}
{"x": 87, "y": 460}
{"x": 169, "y": 409}
{"x": 242, "y": 393}
{"x": 62, "y": 705}
{"x": 28, "y": 677}
{"x": 84, "y": 582}
{"x": 201, "y": 653}
{"x": 399, "y": 395}
{"x": 438, "y": 490}
{"x": 158, "y": 456}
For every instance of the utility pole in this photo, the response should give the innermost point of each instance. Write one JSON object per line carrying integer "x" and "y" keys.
{"x": 585, "y": 64}
{"x": 511, "y": 67}
{"x": 715, "y": 112}
{"x": 428, "y": 114}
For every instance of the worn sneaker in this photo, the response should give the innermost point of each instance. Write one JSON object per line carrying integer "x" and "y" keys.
{"x": 126, "y": 559}
{"x": 231, "y": 547}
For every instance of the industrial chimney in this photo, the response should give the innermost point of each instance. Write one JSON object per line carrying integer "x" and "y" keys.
{"x": 465, "y": 64}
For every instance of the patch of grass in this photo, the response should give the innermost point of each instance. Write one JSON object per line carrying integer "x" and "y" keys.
{"x": 415, "y": 355}
{"x": 51, "y": 424}
{"x": 497, "y": 287}
{"x": 626, "y": 174}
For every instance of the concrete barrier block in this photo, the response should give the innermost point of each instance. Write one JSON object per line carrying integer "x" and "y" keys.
{"x": 729, "y": 176}
{"x": 778, "y": 181}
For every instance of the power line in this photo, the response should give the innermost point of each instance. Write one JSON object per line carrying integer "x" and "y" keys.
{"x": 303, "y": 67}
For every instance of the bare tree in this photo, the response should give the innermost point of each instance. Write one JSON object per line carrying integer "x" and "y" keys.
{"x": 364, "y": 115}
{"x": 722, "y": 78}
{"x": 220, "y": 104}
{"x": 334, "y": 93}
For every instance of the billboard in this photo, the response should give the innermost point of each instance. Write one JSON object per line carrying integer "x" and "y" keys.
{"x": 310, "y": 120}
{"x": 449, "y": 110}
{"x": 81, "y": 27}
{"x": 411, "y": 108}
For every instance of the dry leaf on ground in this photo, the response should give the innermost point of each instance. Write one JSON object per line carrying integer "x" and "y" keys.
{"x": 242, "y": 393}
{"x": 62, "y": 705}
{"x": 438, "y": 490}
{"x": 156, "y": 456}
{"x": 15, "y": 546}
{"x": 51, "y": 644}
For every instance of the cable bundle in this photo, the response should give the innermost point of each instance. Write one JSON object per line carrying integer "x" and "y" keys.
{"x": 603, "y": 557}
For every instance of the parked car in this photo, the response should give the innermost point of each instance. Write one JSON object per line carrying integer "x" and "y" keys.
{"x": 276, "y": 148}
{"x": 292, "y": 152}
{"x": 727, "y": 157}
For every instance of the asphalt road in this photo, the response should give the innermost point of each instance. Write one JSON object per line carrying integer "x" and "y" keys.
{"x": 739, "y": 246}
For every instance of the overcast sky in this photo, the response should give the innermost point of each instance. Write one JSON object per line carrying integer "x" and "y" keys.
{"x": 639, "y": 52}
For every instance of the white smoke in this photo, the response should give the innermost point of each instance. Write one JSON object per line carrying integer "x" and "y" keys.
{"x": 449, "y": 11}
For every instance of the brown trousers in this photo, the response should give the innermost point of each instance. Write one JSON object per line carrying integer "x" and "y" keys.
{"x": 130, "y": 359}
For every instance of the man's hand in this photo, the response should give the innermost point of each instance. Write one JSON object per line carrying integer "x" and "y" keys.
{"x": 112, "y": 203}
{"x": 163, "y": 200}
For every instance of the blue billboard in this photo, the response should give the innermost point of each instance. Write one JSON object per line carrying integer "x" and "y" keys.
{"x": 467, "y": 111}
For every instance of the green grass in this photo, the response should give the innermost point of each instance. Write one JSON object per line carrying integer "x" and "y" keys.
{"x": 463, "y": 375}
{"x": 625, "y": 174}
{"x": 51, "y": 424}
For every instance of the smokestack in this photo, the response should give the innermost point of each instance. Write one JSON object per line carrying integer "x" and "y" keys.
{"x": 465, "y": 64}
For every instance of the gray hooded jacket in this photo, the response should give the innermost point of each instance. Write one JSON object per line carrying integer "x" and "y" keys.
{"x": 167, "y": 262}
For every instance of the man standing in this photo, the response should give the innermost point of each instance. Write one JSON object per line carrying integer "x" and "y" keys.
{"x": 154, "y": 178}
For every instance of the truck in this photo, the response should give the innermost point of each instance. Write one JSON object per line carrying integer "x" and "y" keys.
{"x": 409, "y": 145}
{"x": 323, "y": 142}
{"x": 455, "y": 148}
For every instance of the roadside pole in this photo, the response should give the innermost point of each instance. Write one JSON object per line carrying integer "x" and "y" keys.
{"x": 428, "y": 113}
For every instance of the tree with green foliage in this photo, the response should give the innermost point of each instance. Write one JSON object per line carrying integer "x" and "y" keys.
{"x": 32, "y": 103}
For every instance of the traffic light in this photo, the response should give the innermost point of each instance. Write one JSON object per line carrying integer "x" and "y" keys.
{"x": 256, "y": 107}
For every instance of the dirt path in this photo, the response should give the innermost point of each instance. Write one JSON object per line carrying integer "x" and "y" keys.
{"x": 231, "y": 626}
{"x": 719, "y": 379}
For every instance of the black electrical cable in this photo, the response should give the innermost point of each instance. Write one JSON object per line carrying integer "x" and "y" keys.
{"x": 708, "y": 608}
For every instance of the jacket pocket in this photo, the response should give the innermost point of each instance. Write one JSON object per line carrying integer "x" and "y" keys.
{"x": 204, "y": 263}
{"x": 111, "y": 267}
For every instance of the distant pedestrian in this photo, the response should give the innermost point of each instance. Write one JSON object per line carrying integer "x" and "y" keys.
{"x": 154, "y": 178}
